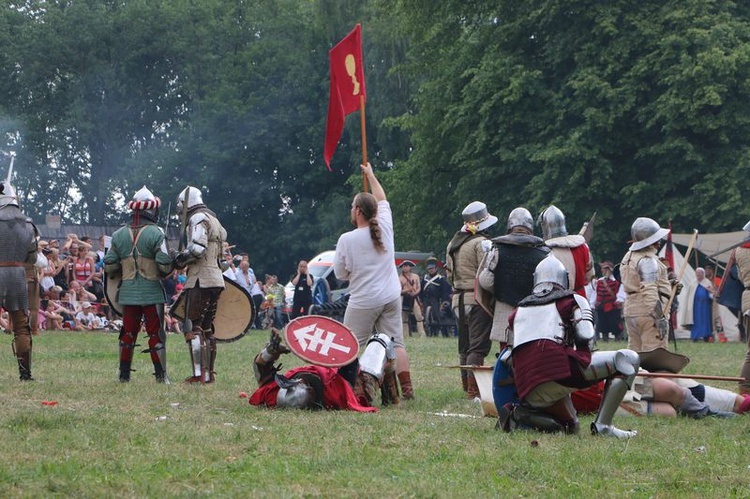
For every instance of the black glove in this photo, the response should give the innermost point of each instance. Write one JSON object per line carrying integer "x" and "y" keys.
{"x": 179, "y": 259}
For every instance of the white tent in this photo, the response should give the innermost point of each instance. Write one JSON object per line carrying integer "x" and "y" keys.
{"x": 728, "y": 320}
{"x": 710, "y": 244}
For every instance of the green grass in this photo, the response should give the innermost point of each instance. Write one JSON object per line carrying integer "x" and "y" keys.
{"x": 146, "y": 440}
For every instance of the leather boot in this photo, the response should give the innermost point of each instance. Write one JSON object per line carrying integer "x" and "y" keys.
{"x": 472, "y": 391}
{"x": 464, "y": 381}
{"x": 404, "y": 379}
{"x": 24, "y": 366}
{"x": 389, "y": 389}
{"x": 124, "y": 371}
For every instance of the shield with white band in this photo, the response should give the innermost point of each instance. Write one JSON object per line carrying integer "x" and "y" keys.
{"x": 321, "y": 341}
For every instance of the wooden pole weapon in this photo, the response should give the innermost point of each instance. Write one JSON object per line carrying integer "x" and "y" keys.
{"x": 641, "y": 374}
{"x": 682, "y": 271}
{"x": 364, "y": 138}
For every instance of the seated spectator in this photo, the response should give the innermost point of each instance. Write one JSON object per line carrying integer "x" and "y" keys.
{"x": 79, "y": 294}
{"x": 85, "y": 319}
{"x": 50, "y": 317}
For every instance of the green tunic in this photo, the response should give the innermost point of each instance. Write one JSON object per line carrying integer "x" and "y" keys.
{"x": 142, "y": 267}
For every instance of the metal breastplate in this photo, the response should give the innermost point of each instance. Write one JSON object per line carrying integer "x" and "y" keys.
{"x": 542, "y": 322}
{"x": 514, "y": 273}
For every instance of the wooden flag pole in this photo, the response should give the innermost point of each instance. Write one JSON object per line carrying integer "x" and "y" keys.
{"x": 364, "y": 139}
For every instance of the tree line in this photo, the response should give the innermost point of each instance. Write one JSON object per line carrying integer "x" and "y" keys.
{"x": 620, "y": 108}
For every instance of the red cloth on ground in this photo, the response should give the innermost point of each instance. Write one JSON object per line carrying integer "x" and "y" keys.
{"x": 587, "y": 401}
{"x": 337, "y": 393}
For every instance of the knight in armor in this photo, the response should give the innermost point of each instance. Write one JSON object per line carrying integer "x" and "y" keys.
{"x": 436, "y": 295}
{"x": 18, "y": 250}
{"x": 138, "y": 258}
{"x": 571, "y": 250}
{"x": 506, "y": 273}
{"x": 317, "y": 387}
{"x": 742, "y": 259}
{"x": 552, "y": 335}
{"x": 464, "y": 254}
{"x": 203, "y": 256}
{"x": 647, "y": 287}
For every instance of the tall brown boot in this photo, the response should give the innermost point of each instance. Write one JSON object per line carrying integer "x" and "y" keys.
{"x": 404, "y": 379}
{"x": 473, "y": 389}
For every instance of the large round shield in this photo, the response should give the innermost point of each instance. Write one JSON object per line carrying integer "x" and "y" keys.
{"x": 111, "y": 288}
{"x": 234, "y": 312}
{"x": 503, "y": 385}
{"x": 321, "y": 341}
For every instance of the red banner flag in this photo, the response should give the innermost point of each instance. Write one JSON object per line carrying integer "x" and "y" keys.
{"x": 669, "y": 250}
{"x": 347, "y": 87}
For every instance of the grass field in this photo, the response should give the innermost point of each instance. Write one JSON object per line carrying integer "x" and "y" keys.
{"x": 106, "y": 439}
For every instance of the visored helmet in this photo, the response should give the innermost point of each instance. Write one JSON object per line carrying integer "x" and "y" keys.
{"x": 302, "y": 391}
{"x": 194, "y": 197}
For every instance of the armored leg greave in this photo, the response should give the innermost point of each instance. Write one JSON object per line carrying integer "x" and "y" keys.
{"x": 620, "y": 369}
{"x": 127, "y": 344}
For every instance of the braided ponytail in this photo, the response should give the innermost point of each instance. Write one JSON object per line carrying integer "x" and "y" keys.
{"x": 368, "y": 205}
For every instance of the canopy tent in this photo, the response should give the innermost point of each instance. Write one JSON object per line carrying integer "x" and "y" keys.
{"x": 728, "y": 319}
{"x": 710, "y": 244}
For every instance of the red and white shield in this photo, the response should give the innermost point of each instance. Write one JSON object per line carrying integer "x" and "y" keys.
{"x": 321, "y": 341}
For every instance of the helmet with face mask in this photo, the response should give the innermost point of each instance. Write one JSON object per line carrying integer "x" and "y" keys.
{"x": 301, "y": 391}
{"x": 194, "y": 197}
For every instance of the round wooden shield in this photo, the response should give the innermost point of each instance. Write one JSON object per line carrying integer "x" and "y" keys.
{"x": 235, "y": 312}
{"x": 111, "y": 288}
{"x": 321, "y": 341}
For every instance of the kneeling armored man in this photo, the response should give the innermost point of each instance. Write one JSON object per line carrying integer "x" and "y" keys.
{"x": 317, "y": 387}
{"x": 552, "y": 332}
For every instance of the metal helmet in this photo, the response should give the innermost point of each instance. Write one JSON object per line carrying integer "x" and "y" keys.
{"x": 7, "y": 192}
{"x": 194, "y": 197}
{"x": 548, "y": 273}
{"x": 552, "y": 222}
{"x": 645, "y": 232}
{"x": 144, "y": 200}
{"x": 297, "y": 392}
{"x": 477, "y": 218}
{"x": 520, "y": 217}
{"x": 145, "y": 204}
